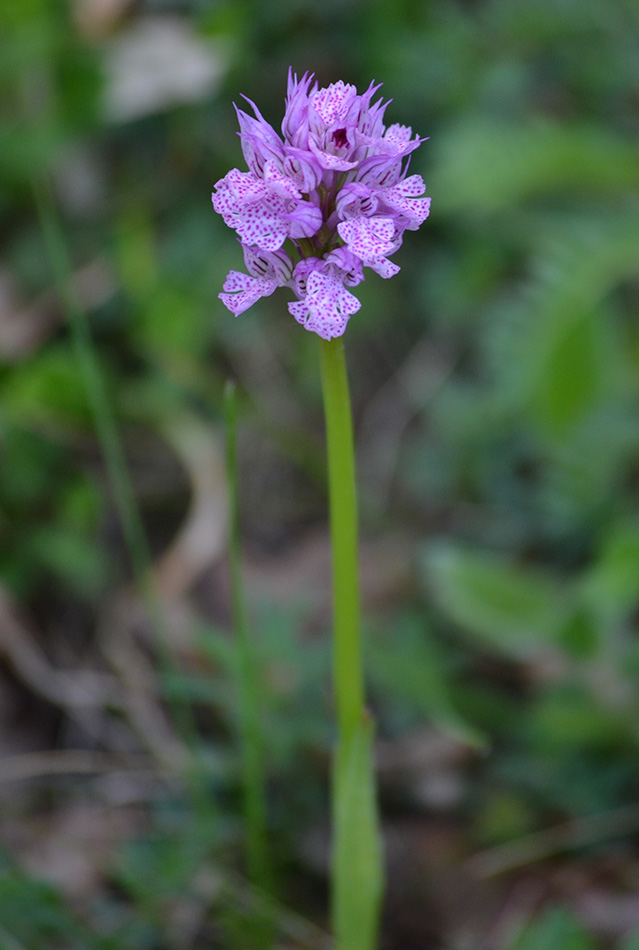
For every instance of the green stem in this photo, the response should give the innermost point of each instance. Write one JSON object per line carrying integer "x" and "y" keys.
{"x": 347, "y": 658}
{"x": 257, "y": 856}
{"x": 356, "y": 866}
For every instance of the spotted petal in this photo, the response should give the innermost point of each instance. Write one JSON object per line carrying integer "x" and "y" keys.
{"x": 327, "y": 306}
{"x": 243, "y": 291}
{"x": 368, "y": 237}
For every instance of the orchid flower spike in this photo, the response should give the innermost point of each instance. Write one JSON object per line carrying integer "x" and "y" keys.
{"x": 317, "y": 205}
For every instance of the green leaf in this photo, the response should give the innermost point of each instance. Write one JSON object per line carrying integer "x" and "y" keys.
{"x": 570, "y": 374}
{"x": 71, "y": 557}
{"x": 35, "y": 470}
{"x": 357, "y": 853}
{"x": 511, "y": 608}
{"x": 611, "y": 586}
{"x": 559, "y": 354}
{"x": 491, "y": 166}
{"x": 35, "y": 916}
{"x": 412, "y": 667}
{"x": 555, "y": 929}
{"x": 47, "y": 390}
{"x": 579, "y": 636}
{"x": 567, "y": 716}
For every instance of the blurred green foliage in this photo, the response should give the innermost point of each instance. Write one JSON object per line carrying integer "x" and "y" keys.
{"x": 514, "y": 479}
{"x": 555, "y": 928}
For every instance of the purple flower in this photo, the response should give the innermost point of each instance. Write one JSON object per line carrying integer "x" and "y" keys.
{"x": 402, "y": 199}
{"x": 324, "y": 305}
{"x": 334, "y": 186}
{"x": 267, "y": 272}
{"x": 259, "y": 141}
{"x": 265, "y": 211}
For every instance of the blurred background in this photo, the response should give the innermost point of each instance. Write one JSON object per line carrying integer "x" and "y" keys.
{"x": 496, "y": 401}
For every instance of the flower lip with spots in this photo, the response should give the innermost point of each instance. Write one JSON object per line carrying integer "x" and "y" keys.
{"x": 332, "y": 194}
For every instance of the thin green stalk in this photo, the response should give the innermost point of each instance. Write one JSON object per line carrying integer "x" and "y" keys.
{"x": 118, "y": 474}
{"x": 347, "y": 650}
{"x": 104, "y": 421}
{"x": 251, "y": 740}
{"x": 357, "y": 877}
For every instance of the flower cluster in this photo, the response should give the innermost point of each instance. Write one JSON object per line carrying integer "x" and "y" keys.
{"x": 335, "y": 188}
